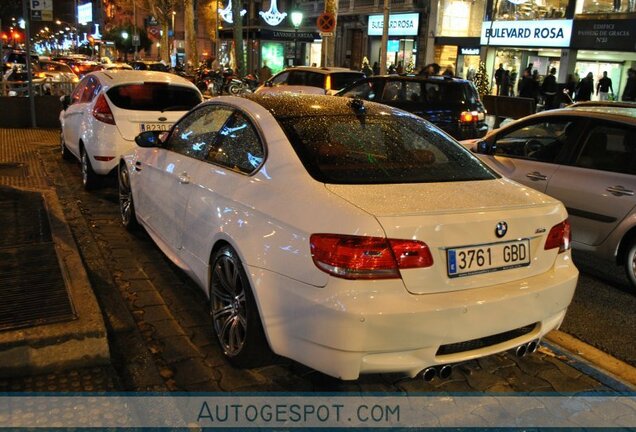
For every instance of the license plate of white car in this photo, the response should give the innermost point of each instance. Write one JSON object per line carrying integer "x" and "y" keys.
{"x": 155, "y": 126}
{"x": 484, "y": 258}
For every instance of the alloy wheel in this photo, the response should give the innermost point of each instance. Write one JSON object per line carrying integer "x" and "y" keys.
{"x": 229, "y": 313}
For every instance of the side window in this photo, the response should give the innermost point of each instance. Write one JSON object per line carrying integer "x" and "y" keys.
{"x": 315, "y": 80}
{"x": 432, "y": 93}
{"x": 193, "y": 135}
{"x": 413, "y": 91}
{"x": 392, "y": 90}
{"x": 239, "y": 146}
{"x": 280, "y": 79}
{"x": 541, "y": 140}
{"x": 296, "y": 78}
{"x": 367, "y": 90}
{"x": 91, "y": 90}
{"x": 77, "y": 93}
{"x": 609, "y": 148}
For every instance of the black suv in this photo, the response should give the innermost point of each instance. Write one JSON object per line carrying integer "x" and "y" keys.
{"x": 452, "y": 104}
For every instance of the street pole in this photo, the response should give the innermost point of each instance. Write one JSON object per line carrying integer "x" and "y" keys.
{"x": 27, "y": 40}
{"x": 385, "y": 37}
{"x": 296, "y": 46}
{"x": 135, "y": 36}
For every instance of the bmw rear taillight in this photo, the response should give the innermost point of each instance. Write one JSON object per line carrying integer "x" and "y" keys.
{"x": 101, "y": 110}
{"x": 328, "y": 83}
{"x": 358, "y": 257}
{"x": 560, "y": 236}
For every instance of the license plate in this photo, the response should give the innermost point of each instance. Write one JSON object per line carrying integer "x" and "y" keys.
{"x": 155, "y": 126}
{"x": 488, "y": 257}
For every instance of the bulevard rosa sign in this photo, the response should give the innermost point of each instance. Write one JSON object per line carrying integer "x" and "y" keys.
{"x": 399, "y": 24}
{"x": 546, "y": 33}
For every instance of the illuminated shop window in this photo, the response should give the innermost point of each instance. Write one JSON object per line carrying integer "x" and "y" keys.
{"x": 605, "y": 6}
{"x": 530, "y": 9}
{"x": 460, "y": 18}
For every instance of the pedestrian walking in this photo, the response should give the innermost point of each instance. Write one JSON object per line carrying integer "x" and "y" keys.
{"x": 528, "y": 87}
{"x": 376, "y": 68}
{"x": 604, "y": 87}
{"x": 549, "y": 89}
{"x": 585, "y": 88}
{"x": 366, "y": 69}
{"x": 505, "y": 83}
{"x": 629, "y": 93}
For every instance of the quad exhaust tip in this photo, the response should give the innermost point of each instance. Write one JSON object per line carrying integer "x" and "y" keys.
{"x": 444, "y": 372}
{"x": 528, "y": 348}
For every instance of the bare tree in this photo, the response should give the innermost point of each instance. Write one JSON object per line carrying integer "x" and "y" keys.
{"x": 211, "y": 15}
{"x": 162, "y": 11}
{"x": 191, "y": 51}
{"x": 237, "y": 5}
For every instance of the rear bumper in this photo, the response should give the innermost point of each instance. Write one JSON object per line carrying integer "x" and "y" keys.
{"x": 353, "y": 327}
{"x": 107, "y": 142}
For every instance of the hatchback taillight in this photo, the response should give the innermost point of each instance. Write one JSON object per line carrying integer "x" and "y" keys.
{"x": 560, "y": 236}
{"x": 469, "y": 117}
{"x": 358, "y": 257}
{"x": 101, "y": 110}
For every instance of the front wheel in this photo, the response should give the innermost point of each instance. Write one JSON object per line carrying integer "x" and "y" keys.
{"x": 630, "y": 263}
{"x": 235, "y": 317}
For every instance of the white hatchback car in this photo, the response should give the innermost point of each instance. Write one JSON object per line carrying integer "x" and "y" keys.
{"x": 310, "y": 80}
{"x": 107, "y": 109}
{"x": 349, "y": 236}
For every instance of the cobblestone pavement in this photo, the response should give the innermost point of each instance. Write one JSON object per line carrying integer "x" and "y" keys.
{"x": 160, "y": 334}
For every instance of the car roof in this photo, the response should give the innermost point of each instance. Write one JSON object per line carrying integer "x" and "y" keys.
{"x": 428, "y": 78}
{"x": 322, "y": 70}
{"x": 614, "y": 104}
{"x": 117, "y": 77}
{"x": 288, "y": 105}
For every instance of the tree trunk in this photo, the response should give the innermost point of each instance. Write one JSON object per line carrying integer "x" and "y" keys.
{"x": 192, "y": 56}
{"x": 239, "y": 54}
{"x": 328, "y": 54}
{"x": 165, "y": 44}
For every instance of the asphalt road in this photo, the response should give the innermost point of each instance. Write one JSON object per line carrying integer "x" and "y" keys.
{"x": 603, "y": 312}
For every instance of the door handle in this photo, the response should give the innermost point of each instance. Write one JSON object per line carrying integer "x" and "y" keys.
{"x": 184, "y": 178}
{"x": 619, "y": 190}
{"x": 536, "y": 175}
{"x": 137, "y": 166}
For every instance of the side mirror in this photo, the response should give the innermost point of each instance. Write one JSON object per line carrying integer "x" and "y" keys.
{"x": 66, "y": 101}
{"x": 149, "y": 139}
{"x": 485, "y": 147}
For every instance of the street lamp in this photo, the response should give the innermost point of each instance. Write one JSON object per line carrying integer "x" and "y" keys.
{"x": 296, "y": 19}
{"x": 174, "y": 36}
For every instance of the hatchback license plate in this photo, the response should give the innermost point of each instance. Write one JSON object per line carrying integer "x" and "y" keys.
{"x": 155, "y": 126}
{"x": 488, "y": 257}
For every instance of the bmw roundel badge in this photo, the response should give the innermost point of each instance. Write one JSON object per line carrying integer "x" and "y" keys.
{"x": 501, "y": 229}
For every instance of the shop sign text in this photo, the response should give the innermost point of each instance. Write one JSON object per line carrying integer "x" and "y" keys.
{"x": 399, "y": 24}
{"x": 547, "y": 33}
{"x": 615, "y": 35}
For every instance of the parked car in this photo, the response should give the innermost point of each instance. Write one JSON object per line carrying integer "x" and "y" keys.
{"x": 321, "y": 228}
{"x": 584, "y": 156}
{"x": 116, "y": 66}
{"x": 150, "y": 65}
{"x": 57, "y": 72}
{"x": 107, "y": 110}
{"x": 312, "y": 80}
{"x": 17, "y": 59}
{"x": 452, "y": 104}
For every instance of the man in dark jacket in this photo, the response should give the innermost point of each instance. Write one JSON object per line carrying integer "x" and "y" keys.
{"x": 549, "y": 89}
{"x": 499, "y": 77}
{"x": 629, "y": 94}
{"x": 585, "y": 88}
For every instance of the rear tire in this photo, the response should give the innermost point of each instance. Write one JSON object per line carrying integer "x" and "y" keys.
{"x": 630, "y": 263}
{"x": 90, "y": 180}
{"x": 234, "y": 313}
{"x": 66, "y": 154}
{"x": 126, "y": 204}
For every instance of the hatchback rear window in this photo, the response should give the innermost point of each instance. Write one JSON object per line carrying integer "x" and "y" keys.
{"x": 379, "y": 149}
{"x": 341, "y": 80}
{"x": 154, "y": 97}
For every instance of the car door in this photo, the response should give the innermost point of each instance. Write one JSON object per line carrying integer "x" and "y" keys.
{"x": 71, "y": 118}
{"x": 599, "y": 187}
{"x": 530, "y": 152}
{"x": 219, "y": 197}
{"x": 166, "y": 172}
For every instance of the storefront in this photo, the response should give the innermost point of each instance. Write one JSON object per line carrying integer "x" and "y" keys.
{"x": 517, "y": 44}
{"x": 457, "y": 29}
{"x": 605, "y": 45}
{"x": 402, "y": 42}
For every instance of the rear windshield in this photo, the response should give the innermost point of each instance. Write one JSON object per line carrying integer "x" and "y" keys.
{"x": 53, "y": 67}
{"x": 379, "y": 149}
{"x": 341, "y": 80}
{"x": 154, "y": 97}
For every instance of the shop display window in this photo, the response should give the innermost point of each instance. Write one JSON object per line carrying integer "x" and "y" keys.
{"x": 530, "y": 9}
{"x": 605, "y": 6}
{"x": 460, "y": 18}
